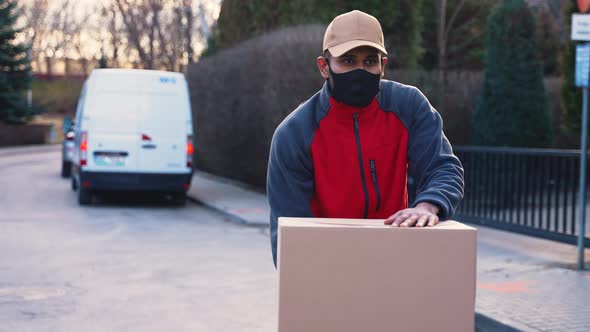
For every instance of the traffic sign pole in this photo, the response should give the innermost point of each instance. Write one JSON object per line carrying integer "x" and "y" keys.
{"x": 583, "y": 155}
{"x": 581, "y": 32}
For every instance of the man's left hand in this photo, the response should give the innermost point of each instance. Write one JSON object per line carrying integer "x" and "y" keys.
{"x": 424, "y": 214}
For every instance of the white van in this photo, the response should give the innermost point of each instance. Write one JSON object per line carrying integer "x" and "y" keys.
{"x": 133, "y": 132}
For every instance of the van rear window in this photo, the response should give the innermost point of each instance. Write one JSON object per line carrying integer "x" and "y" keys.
{"x": 114, "y": 112}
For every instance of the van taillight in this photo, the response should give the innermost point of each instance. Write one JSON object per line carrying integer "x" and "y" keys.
{"x": 190, "y": 149}
{"x": 83, "y": 148}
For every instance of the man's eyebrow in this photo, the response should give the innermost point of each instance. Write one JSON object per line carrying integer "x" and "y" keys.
{"x": 348, "y": 55}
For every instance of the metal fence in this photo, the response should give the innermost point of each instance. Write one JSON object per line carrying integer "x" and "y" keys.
{"x": 530, "y": 191}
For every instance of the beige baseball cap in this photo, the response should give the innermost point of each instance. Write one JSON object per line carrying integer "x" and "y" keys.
{"x": 351, "y": 30}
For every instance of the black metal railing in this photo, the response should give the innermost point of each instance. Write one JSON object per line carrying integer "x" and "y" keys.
{"x": 530, "y": 191}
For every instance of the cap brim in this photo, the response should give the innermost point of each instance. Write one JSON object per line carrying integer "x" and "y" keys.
{"x": 340, "y": 49}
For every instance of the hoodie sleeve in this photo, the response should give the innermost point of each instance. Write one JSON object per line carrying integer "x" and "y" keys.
{"x": 437, "y": 171}
{"x": 290, "y": 185}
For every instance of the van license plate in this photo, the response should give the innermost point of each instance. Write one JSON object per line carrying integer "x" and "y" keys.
{"x": 109, "y": 160}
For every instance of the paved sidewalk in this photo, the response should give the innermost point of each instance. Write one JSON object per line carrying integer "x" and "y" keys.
{"x": 240, "y": 202}
{"x": 523, "y": 283}
{"x": 28, "y": 149}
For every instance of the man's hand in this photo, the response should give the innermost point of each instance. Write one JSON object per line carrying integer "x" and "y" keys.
{"x": 424, "y": 214}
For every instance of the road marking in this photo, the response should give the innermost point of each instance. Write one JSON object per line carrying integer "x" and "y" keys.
{"x": 32, "y": 293}
{"x": 249, "y": 210}
{"x": 525, "y": 286}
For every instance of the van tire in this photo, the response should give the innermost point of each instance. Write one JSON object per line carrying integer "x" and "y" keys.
{"x": 66, "y": 169}
{"x": 179, "y": 199}
{"x": 84, "y": 196}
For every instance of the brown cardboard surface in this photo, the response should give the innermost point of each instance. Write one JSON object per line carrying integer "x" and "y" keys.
{"x": 360, "y": 275}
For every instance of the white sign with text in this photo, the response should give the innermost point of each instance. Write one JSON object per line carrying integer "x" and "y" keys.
{"x": 581, "y": 27}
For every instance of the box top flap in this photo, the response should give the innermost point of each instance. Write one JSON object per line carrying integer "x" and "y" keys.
{"x": 363, "y": 223}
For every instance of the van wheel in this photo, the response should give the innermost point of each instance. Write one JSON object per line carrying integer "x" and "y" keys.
{"x": 66, "y": 169}
{"x": 84, "y": 196}
{"x": 179, "y": 199}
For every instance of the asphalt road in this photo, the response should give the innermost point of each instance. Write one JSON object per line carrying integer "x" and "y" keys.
{"x": 124, "y": 263}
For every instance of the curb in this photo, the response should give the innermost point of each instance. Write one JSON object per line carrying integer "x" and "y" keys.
{"x": 25, "y": 149}
{"x": 484, "y": 323}
{"x": 231, "y": 216}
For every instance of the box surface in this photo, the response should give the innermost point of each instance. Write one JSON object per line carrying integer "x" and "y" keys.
{"x": 360, "y": 275}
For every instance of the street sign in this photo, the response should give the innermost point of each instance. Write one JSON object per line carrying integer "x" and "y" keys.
{"x": 583, "y": 65}
{"x": 581, "y": 27}
{"x": 583, "y": 5}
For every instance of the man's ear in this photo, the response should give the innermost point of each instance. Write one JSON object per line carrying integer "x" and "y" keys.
{"x": 323, "y": 67}
{"x": 383, "y": 63}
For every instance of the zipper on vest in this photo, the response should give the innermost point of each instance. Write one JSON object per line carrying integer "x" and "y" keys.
{"x": 375, "y": 183}
{"x": 360, "y": 153}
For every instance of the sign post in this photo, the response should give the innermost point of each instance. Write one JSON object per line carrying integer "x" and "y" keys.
{"x": 581, "y": 32}
{"x": 584, "y": 149}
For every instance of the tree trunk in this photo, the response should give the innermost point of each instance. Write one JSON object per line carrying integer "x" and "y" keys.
{"x": 114, "y": 38}
{"x": 152, "y": 37}
{"x": 115, "y": 58}
{"x": 132, "y": 30}
{"x": 84, "y": 65}
{"x": 178, "y": 45}
{"x": 188, "y": 34}
{"x": 67, "y": 69}
{"x": 48, "y": 63}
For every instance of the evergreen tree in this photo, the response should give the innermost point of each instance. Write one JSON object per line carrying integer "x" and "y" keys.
{"x": 14, "y": 67}
{"x": 102, "y": 62}
{"x": 571, "y": 96}
{"x": 211, "y": 47}
{"x": 513, "y": 107}
{"x": 465, "y": 35}
{"x": 401, "y": 21}
{"x": 548, "y": 38}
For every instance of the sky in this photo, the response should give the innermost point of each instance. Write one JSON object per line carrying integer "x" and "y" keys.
{"x": 87, "y": 5}
{"x": 90, "y": 44}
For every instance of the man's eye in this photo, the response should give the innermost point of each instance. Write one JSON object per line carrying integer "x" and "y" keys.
{"x": 348, "y": 61}
{"x": 370, "y": 62}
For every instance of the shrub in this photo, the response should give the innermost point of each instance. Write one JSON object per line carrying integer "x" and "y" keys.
{"x": 513, "y": 106}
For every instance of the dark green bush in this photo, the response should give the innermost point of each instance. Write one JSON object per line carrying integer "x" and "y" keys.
{"x": 513, "y": 107}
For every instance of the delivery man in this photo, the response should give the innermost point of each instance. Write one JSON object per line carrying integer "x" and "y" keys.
{"x": 346, "y": 152}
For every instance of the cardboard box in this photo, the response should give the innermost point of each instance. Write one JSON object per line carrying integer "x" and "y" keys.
{"x": 339, "y": 275}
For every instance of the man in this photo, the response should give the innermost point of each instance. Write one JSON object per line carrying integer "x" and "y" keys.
{"x": 346, "y": 152}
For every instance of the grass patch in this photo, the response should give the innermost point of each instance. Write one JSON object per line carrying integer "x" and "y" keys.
{"x": 57, "y": 96}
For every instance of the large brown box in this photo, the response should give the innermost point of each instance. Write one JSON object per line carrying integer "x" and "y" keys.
{"x": 340, "y": 275}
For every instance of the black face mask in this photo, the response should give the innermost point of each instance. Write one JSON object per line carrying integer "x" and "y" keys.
{"x": 355, "y": 88}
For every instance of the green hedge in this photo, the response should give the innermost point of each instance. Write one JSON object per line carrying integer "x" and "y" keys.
{"x": 241, "y": 94}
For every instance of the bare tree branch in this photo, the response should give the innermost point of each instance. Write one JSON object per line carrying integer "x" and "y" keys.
{"x": 35, "y": 14}
{"x": 132, "y": 25}
{"x": 453, "y": 17}
{"x": 64, "y": 25}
